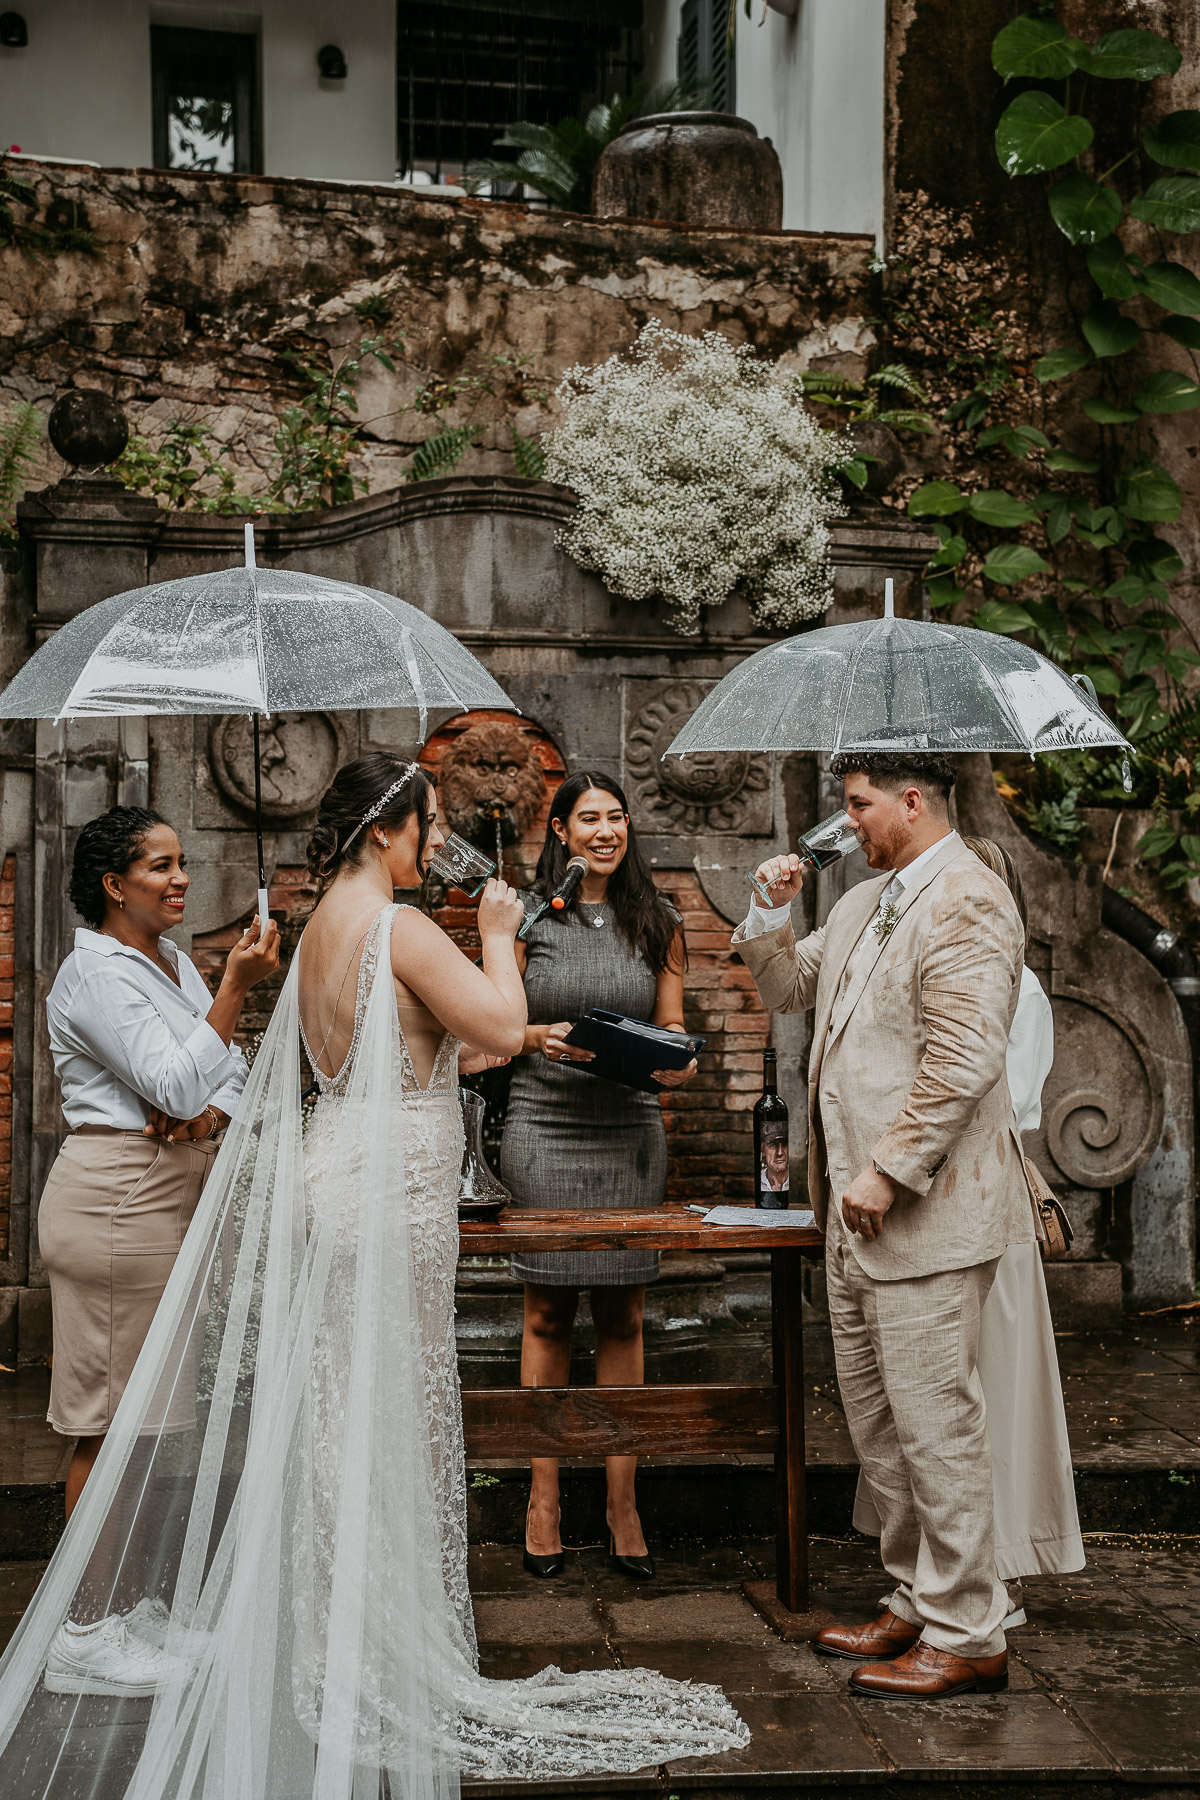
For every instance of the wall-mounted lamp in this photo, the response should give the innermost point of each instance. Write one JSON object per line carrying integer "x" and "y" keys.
{"x": 13, "y": 34}
{"x": 331, "y": 63}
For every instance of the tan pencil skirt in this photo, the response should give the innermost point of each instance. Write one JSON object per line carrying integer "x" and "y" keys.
{"x": 113, "y": 1215}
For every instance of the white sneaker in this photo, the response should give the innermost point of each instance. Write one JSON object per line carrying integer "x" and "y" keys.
{"x": 151, "y": 1622}
{"x": 107, "y": 1659}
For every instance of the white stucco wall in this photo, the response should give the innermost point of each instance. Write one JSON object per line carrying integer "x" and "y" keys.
{"x": 813, "y": 84}
{"x": 82, "y": 88}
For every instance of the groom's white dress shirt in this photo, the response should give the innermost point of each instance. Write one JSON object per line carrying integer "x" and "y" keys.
{"x": 762, "y": 918}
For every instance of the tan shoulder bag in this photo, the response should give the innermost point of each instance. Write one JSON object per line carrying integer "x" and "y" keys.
{"x": 1050, "y": 1220}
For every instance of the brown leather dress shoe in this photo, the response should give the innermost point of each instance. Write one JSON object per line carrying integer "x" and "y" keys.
{"x": 925, "y": 1673}
{"x": 880, "y": 1641}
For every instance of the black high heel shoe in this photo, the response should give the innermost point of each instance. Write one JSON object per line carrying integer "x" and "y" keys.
{"x": 544, "y": 1566}
{"x": 638, "y": 1568}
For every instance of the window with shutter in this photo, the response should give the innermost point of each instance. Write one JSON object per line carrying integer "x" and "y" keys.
{"x": 466, "y": 70}
{"x": 205, "y": 99}
{"x": 703, "y": 50}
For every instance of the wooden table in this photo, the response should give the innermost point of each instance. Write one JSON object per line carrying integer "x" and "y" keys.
{"x": 683, "y": 1420}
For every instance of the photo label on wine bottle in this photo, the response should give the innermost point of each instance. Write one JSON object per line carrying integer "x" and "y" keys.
{"x": 773, "y": 1174}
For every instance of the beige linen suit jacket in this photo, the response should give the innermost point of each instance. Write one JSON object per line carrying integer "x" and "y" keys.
{"x": 907, "y": 1065}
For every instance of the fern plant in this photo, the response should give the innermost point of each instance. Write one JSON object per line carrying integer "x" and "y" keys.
{"x": 20, "y": 436}
{"x": 528, "y": 455}
{"x": 440, "y": 456}
{"x": 863, "y": 400}
{"x": 35, "y": 240}
{"x": 558, "y": 161}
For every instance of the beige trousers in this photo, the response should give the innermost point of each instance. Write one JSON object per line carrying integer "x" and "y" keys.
{"x": 112, "y": 1218}
{"x": 1037, "y": 1519}
{"x": 906, "y": 1363}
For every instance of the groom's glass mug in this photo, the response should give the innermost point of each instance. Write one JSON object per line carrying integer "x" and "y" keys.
{"x": 462, "y": 865}
{"x": 826, "y": 843}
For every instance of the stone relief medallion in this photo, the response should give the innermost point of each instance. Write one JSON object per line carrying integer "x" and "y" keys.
{"x": 299, "y": 758}
{"x": 708, "y": 791}
{"x": 1102, "y": 1110}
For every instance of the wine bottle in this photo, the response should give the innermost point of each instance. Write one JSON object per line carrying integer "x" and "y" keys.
{"x": 770, "y": 1142}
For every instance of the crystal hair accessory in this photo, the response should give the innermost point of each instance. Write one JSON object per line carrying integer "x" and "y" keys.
{"x": 379, "y": 805}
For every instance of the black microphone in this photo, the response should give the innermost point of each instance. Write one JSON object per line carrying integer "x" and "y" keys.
{"x": 577, "y": 868}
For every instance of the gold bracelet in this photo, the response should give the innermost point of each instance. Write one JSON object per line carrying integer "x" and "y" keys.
{"x": 211, "y": 1111}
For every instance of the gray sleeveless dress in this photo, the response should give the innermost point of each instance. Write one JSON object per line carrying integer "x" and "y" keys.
{"x": 575, "y": 1140}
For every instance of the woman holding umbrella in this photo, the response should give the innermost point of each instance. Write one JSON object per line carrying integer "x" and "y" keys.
{"x": 149, "y": 1080}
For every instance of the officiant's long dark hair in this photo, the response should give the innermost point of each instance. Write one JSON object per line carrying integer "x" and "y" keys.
{"x": 643, "y": 917}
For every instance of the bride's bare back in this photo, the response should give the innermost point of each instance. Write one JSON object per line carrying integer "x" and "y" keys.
{"x": 438, "y": 988}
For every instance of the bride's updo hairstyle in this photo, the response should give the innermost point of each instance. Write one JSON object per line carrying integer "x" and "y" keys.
{"x": 339, "y": 839}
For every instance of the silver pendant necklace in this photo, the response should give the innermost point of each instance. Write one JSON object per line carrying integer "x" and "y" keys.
{"x": 598, "y": 920}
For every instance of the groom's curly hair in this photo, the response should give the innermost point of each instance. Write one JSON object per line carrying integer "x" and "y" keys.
{"x": 895, "y": 770}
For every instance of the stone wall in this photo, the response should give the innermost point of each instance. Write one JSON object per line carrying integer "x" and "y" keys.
{"x": 203, "y": 282}
{"x": 601, "y": 683}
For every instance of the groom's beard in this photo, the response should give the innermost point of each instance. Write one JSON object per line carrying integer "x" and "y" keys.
{"x": 884, "y": 850}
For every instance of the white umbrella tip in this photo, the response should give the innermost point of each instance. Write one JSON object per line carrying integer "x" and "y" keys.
{"x": 250, "y": 563}
{"x": 889, "y": 597}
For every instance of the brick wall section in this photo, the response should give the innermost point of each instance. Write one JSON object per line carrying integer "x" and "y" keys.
{"x": 708, "y": 1122}
{"x": 7, "y": 897}
{"x": 709, "y": 1130}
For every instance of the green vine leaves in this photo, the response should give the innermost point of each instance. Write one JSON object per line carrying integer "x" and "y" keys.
{"x": 1108, "y": 613}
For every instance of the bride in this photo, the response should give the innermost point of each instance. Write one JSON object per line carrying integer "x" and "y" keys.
{"x": 276, "y": 1525}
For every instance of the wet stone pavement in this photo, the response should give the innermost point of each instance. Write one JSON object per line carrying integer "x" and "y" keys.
{"x": 1104, "y": 1695}
{"x": 1104, "y": 1681}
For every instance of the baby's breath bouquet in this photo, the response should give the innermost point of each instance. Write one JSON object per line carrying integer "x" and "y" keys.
{"x": 698, "y": 470}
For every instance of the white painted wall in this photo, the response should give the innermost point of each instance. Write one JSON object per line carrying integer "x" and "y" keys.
{"x": 82, "y": 88}
{"x": 813, "y": 84}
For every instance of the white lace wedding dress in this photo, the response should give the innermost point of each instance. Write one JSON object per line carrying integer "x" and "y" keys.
{"x": 308, "y": 1535}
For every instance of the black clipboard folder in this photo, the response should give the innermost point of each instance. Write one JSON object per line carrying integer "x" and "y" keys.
{"x": 627, "y": 1050}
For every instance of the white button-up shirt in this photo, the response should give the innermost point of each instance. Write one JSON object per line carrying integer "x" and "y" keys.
{"x": 762, "y": 918}
{"x": 126, "y": 1039}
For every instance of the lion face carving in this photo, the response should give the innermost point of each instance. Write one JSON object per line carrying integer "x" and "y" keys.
{"x": 491, "y": 776}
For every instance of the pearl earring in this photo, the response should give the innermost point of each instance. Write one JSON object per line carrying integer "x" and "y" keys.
{"x": 385, "y": 843}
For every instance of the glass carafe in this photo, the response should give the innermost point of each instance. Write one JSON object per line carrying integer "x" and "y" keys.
{"x": 476, "y": 1182}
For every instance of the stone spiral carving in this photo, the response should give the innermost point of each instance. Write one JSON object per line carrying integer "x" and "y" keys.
{"x": 1103, "y": 1116}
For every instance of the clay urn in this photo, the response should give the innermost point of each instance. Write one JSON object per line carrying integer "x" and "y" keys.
{"x": 691, "y": 168}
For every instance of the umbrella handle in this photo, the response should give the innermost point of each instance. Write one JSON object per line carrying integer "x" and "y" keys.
{"x": 263, "y": 899}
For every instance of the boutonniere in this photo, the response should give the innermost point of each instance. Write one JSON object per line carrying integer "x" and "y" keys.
{"x": 885, "y": 924}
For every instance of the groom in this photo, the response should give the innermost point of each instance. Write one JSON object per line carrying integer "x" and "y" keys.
{"x": 915, "y": 1174}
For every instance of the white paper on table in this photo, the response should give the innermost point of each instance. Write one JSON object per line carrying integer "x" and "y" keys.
{"x": 757, "y": 1215}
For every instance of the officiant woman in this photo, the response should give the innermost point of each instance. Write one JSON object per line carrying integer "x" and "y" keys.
{"x": 149, "y": 1078}
{"x": 572, "y": 1139}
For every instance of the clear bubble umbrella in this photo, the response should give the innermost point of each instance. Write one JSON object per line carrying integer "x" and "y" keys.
{"x": 252, "y": 641}
{"x": 899, "y": 684}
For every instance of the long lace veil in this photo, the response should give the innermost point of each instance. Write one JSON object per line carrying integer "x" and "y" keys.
{"x": 268, "y": 1478}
